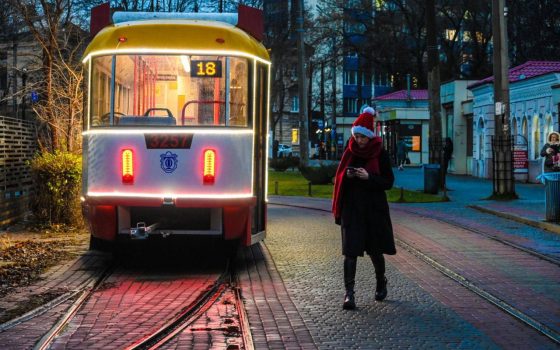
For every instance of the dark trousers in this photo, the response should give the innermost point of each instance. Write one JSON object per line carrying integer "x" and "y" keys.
{"x": 350, "y": 270}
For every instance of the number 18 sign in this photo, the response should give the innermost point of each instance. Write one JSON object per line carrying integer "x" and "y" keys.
{"x": 206, "y": 69}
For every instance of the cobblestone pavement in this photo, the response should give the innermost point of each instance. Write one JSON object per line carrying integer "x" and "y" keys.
{"x": 424, "y": 309}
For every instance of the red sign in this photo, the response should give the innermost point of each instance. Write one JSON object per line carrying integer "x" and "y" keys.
{"x": 520, "y": 159}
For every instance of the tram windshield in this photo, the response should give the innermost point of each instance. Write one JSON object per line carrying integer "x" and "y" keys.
{"x": 169, "y": 90}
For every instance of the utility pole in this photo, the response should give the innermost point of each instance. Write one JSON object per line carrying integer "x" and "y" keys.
{"x": 302, "y": 91}
{"x": 333, "y": 126}
{"x": 435, "y": 144}
{"x": 503, "y": 180}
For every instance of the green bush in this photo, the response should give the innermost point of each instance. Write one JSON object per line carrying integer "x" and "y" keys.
{"x": 279, "y": 164}
{"x": 282, "y": 164}
{"x": 58, "y": 178}
{"x": 319, "y": 175}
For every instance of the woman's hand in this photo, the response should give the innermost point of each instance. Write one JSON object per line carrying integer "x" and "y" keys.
{"x": 549, "y": 150}
{"x": 361, "y": 174}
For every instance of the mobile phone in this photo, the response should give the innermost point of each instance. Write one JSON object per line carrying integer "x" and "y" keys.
{"x": 351, "y": 169}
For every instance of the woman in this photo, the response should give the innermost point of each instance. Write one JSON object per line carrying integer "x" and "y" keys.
{"x": 551, "y": 152}
{"x": 360, "y": 205}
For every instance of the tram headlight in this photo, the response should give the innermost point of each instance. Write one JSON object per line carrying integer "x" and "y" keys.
{"x": 209, "y": 172}
{"x": 127, "y": 167}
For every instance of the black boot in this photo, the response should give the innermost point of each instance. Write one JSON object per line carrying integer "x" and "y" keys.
{"x": 349, "y": 277}
{"x": 381, "y": 288}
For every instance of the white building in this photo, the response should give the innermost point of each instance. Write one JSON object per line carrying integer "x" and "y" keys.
{"x": 534, "y": 107}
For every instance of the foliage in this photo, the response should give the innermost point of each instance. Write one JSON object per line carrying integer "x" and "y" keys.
{"x": 279, "y": 164}
{"x": 282, "y": 164}
{"x": 319, "y": 175}
{"x": 58, "y": 178}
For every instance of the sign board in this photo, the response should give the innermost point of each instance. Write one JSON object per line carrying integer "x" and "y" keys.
{"x": 167, "y": 77}
{"x": 520, "y": 159}
{"x": 206, "y": 69}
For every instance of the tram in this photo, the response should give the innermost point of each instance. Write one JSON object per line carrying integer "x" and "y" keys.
{"x": 175, "y": 129}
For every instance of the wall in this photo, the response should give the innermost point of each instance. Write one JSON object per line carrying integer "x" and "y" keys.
{"x": 17, "y": 146}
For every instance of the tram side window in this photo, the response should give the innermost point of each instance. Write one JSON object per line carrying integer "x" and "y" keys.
{"x": 101, "y": 91}
{"x": 238, "y": 92}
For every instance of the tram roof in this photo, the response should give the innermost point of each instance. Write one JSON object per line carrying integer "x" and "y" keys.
{"x": 174, "y": 36}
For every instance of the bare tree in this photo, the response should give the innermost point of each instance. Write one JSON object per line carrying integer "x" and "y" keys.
{"x": 60, "y": 42}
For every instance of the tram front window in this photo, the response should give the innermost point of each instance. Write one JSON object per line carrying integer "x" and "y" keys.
{"x": 171, "y": 90}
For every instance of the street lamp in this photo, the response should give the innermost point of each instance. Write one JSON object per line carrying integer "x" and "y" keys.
{"x": 23, "y": 82}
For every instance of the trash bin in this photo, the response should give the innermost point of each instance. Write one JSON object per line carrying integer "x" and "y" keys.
{"x": 552, "y": 196}
{"x": 431, "y": 178}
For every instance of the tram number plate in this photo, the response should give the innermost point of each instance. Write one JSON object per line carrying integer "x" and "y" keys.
{"x": 206, "y": 69}
{"x": 156, "y": 141}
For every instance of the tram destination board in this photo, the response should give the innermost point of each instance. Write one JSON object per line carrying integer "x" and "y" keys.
{"x": 206, "y": 69}
{"x": 169, "y": 141}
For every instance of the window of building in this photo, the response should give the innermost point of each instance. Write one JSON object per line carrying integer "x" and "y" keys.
{"x": 536, "y": 138}
{"x": 366, "y": 79}
{"x": 350, "y": 77}
{"x": 295, "y": 104}
{"x": 351, "y": 105}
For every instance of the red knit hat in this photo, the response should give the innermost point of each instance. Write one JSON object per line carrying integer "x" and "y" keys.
{"x": 364, "y": 124}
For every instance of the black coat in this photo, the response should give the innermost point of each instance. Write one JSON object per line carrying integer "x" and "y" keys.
{"x": 366, "y": 222}
{"x": 548, "y": 162}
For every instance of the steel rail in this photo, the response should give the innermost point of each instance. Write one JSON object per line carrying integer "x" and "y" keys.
{"x": 85, "y": 293}
{"x": 187, "y": 316}
{"x": 503, "y": 305}
{"x": 550, "y": 259}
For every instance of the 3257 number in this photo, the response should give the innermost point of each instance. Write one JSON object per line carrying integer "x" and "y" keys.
{"x": 156, "y": 141}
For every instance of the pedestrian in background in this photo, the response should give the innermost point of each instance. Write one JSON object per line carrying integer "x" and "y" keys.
{"x": 402, "y": 151}
{"x": 551, "y": 153}
{"x": 360, "y": 205}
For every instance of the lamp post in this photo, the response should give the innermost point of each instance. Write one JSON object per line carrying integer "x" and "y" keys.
{"x": 23, "y": 82}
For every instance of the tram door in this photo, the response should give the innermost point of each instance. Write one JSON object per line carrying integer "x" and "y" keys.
{"x": 261, "y": 154}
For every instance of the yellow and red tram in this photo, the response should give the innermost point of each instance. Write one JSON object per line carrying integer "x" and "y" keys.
{"x": 175, "y": 131}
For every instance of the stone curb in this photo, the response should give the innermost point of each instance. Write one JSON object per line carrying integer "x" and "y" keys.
{"x": 538, "y": 224}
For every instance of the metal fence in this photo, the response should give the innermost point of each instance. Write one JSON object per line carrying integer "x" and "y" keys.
{"x": 18, "y": 143}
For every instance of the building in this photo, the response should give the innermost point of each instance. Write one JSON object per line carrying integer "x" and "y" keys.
{"x": 457, "y": 123}
{"x": 534, "y": 108}
{"x": 405, "y": 114}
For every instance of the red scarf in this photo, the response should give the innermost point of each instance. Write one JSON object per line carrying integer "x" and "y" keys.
{"x": 370, "y": 152}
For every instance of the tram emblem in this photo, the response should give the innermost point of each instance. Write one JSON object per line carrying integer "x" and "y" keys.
{"x": 168, "y": 162}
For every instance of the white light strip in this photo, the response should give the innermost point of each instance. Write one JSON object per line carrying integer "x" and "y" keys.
{"x": 267, "y": 135}
{"x": 173, "y": 52}
{"x": 89, "y": 95}
{"x": 254, "y": 127}
{"x": 167, "y": 131}
{"x": 174, "y": 196}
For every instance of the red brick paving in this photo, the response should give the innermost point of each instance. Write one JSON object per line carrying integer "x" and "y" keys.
{"x": 274, "y": 320}
{"x": 527, "y": 282}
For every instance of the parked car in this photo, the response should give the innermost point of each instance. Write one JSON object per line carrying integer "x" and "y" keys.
{"x": 284, "y": 151}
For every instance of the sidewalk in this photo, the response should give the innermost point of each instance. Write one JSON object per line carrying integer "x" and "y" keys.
{"x": 467, "y": 191}
{"x": 472, "y": 192}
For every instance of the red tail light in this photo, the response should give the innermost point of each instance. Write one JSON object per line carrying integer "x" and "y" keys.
{"x": 209, "y": 174}
{"x": 127, "y": 167}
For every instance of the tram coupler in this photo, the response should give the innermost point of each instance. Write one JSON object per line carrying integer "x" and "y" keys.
{"x": 141, "y": 231}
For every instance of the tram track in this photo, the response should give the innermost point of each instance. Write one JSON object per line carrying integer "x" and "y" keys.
{"x": 191, "y": 313}
{"x": 171, "y": 329}
{"x": 532, "y": 252}
{"x": 86, "y": 287}
{"x": 465, "y": 282}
